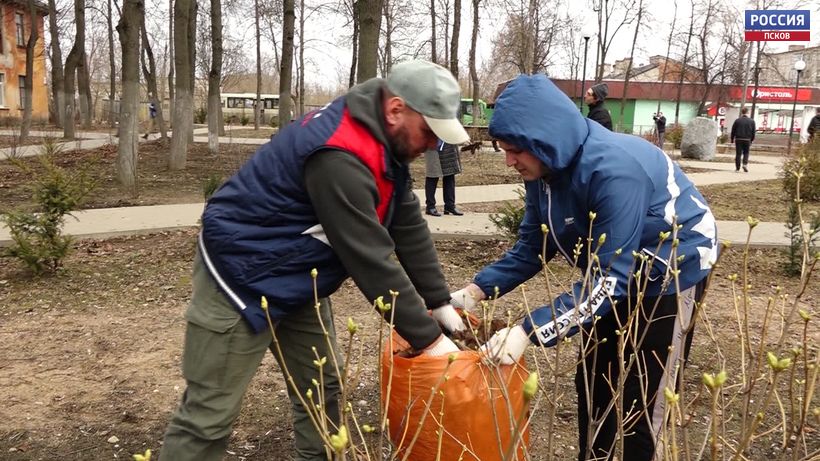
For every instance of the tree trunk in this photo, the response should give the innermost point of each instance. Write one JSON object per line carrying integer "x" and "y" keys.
{"x": 83, "y": 80}
{"x": 172, "y": 61}
{"x": 215, "y": 78}
{"x": 112, "y": 69}
{"x": 25, "y": 126}
{"x": 388, "y": 37}
{"x": 668, "y": 49}
{"x": 128, "y": 28}
{"x": 684, "y": 62}
{"x": 57, "y": 84}
{"x": 68, "y": 86}
{"x": 301, "y": 57}
{"x": 433, "y": 51}
{"x": 286, "y": 73}
{"x": 629, "y": 66}
{"x": 194, "y": 7}
{"x": 183, "y": 104}
{"x": 257, "y": 105}
{"x": 473, "y": 71}
{"x": 150, "y": 73}
{"x": 355, "y": 59}
{"x": 370, "y": 15}
{"x": 454, "y": 38}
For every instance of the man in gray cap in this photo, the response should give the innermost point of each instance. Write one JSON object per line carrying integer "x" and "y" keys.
{"x": 594, "y": 98}
{"x": 327, "y": 198}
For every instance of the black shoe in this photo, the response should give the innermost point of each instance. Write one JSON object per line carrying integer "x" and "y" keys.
{"x": 432, "y": 212}
{"x": 745, "y": 169}
{"x": 453, "y": 211}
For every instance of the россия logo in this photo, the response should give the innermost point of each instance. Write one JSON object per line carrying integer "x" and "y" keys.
{"x": 777, "y": 25}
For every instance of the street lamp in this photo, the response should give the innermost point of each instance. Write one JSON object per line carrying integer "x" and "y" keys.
{"x": 586, "y": 34}
{"x": 798, "y": 66}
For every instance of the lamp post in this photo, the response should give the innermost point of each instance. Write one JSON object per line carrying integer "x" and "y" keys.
{"x": 586, "y": 35}
{"x": 798, "y": 66}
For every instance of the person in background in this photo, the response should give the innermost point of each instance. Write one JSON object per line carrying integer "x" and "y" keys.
{"x": 573, "y": 168}
{"x": 442, "y": 162}
{"x": 660, "y": 127}
{"x": 743, "y": 135}
{"x": 330, "y": 192}
{"x": 814, "y": 125}
{"x": 594, "y": 99}
{"x": 152, "y": 116}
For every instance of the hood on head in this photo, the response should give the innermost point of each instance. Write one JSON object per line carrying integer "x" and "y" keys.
{"x": 533, "y": 114}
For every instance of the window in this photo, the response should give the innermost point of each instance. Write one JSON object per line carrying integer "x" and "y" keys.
{"x": 2, "y": 90}
{"x": 22, "y": 86}
{"x": 21, "y": 29}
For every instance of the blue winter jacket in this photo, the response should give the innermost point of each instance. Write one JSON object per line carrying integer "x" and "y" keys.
{"x": 634, "y": 190}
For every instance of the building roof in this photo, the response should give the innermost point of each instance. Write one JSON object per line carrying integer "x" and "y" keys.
{"x": 41, "y": 8}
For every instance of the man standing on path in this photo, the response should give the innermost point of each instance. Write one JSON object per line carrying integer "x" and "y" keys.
{"x": 660, "y": 127}
{"x": 331, "y": 193}
{"x": 814, "y": 125}
{"x": 594, "y": 98}
{"x": 152, "y": 116}
{"x": 743, "y": 134}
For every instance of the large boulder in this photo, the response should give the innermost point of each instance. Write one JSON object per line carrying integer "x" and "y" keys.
{"x": 699, "y": 139}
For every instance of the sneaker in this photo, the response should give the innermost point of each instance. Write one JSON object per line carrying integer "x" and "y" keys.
{"x": 737, "y": 171}
{"x": 745, "y": 169}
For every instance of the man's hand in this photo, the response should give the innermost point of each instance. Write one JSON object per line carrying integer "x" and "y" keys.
{"x": 467, "y": 298}
{"x": 448, "y": 318}
{"x": 442, "y": 346}
{"x": 507, "y": 345}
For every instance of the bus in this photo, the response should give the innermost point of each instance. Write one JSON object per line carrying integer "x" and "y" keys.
{"x": 238, "y": 105}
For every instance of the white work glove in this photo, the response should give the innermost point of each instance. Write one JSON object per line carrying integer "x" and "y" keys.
{"x": 507, "y": 345}
{"x": 467, "y": 298}
{"x": 442, "y": 346}
{"x": 448, "y": 318}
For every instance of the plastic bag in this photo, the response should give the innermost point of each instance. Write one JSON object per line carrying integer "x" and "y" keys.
{"x": 478, "y": 405}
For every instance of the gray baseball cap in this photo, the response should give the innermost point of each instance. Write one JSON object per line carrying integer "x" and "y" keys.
{"x": 432, "y": 91}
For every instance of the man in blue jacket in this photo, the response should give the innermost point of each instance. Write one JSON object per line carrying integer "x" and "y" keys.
{"x": 331, "y": 192}
{"x": 580, "y": 178}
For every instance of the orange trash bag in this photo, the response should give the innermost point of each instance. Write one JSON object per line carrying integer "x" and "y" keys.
{"x": 478, "y": 406}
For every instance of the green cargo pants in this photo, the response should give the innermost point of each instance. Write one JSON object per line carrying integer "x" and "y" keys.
{"x": 221, "y": 356}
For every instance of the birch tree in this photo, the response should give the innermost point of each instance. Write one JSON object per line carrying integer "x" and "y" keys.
{"x": 184, "y": 44}
{"x": 128, "y": 28}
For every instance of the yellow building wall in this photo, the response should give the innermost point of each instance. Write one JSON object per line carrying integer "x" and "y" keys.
{"x": 13, "y": 63}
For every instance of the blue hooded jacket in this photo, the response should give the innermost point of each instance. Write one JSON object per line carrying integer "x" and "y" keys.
{"x": 633, "y": 189}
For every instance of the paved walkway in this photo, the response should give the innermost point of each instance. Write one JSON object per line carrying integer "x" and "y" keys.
{"x": 108, "y": 222}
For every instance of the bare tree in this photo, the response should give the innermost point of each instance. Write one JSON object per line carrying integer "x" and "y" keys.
{"x": 685, "y": 61}
{"x": 473, "y": 69}
{"x": 215, "y": 79}
{"x": 171, "y": 60}
{"x": 149, "y": 70}
{"x": 286, "y": 72}
{"x": 128, "y": 149}
{"x": 257, "y": 104}
{"x": 454, "y": 38}
{"x": 612, "y": 16}
{"x": 29, "y": 79}
{"x": 369, "y": 13}
{"x": 631, "y": 60}
{"x": 668, "y": 50}
{"x": 389, "y": 27}
{"x": 354, "y": 60}
{"x": 525, "y": 42}
{"x": 184, "y": 18}
{"x": 112, "y": 65}
{"x": 433, "y": 31}
{"x": 57, "y": 85}
{"x": 72, "y": 62}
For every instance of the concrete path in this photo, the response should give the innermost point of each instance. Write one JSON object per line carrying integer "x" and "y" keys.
{"x": 108, "y": 222}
